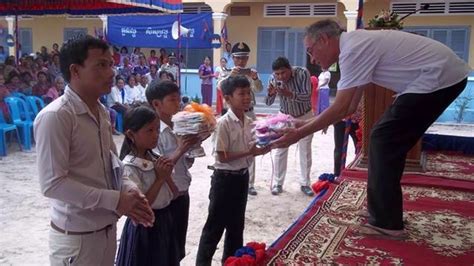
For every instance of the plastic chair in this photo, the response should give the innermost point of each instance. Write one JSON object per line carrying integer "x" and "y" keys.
{"x": 24, "y": 125}
{"x": 36, "y": 104}
{"x": 19, "y": 95}
{"x": 25, "y": 110}
{"x": 4, "y": 129}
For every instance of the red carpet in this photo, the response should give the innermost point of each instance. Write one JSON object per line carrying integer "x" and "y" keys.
{"x": 447, "y": 165}
{"x": 439, "y": 223}
{"x": 451, "y": 166}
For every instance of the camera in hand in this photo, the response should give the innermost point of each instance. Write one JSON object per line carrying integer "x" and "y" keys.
{"x": 245, "y": 71}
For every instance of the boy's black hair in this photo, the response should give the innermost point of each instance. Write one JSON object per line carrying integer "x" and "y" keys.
{"x": 134, "y": 119}
{"x": 281, "y": 62}
{"x": 170, "y": 75}
{"x": 229, "y": 85}
{"x": 159, "y": 89}
{"x": 185, "y": 99}
{"x": 75, "y": 51}
{"x": 119, "y": 77}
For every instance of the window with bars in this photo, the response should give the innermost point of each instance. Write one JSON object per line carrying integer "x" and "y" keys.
{"x": 457, "y": 38}
{"x": 300, "y": 10}
{"x": 275, "y": 42}
{"x": 435, "y": 7}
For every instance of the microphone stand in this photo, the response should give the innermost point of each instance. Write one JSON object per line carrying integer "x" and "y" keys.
{"x": 424, "y": 7}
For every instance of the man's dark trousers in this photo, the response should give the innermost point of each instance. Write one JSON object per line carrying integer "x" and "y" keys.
{"x": 400, "y": 127}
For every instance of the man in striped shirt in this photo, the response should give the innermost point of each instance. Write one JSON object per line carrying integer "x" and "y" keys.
{"x": 293, "y": 85}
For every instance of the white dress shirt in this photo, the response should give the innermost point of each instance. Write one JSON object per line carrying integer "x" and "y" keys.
{"x": 132, "y": 94}
{"x": 115, "y": 96}
{"x": 76, "y": 154}
{"x": 167, "y": 145}
{"x": 232, "y": 135}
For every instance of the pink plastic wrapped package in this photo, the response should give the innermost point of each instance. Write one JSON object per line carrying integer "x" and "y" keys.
{"x": 266, "y": 130}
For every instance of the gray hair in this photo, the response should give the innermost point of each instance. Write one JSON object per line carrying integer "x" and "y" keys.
{"x": 327, "y": 26}
{"x": 58, "y": 78}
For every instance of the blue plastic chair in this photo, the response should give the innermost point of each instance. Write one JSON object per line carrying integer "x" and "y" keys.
{"x": 19, "y": 95}
{"x": 24, "y": 125}
{"x": 4, "y": 129}
{"x": 36, "y": 104}
{"x": 25, "y": 110}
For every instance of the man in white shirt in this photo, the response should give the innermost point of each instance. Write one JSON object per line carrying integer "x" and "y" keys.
{"x": 426, "y": 75}
{"x": 77, "y": 163}
{"x": 171, "y": 66}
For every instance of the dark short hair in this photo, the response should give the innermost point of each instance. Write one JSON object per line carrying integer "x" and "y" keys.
{"x": 159, "y": 89}
{"x": 117, "y": 78}
{"x": 229, "y": 85}
{"x": 167, "y": 73}
{"x": 134, "y": 119}
{"x": 281, "y": 62}
{"x": 75, "y": 51}
{"x": 154, "y": 66}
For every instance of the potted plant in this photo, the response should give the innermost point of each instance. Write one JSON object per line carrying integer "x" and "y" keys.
{"x": 386, "y": 20}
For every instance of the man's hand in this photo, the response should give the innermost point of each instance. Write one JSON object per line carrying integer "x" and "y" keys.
{"x": 253, "y": 74}
{"x": 271, "y": 90}
{"x": 235, "y": 71}
{"x": 324, "y": 131}
{"x": 299, "y": 122}
{"x": 134, "y": 204}
{"x": 285, "y": 92}
{"x": 290, "y": 136}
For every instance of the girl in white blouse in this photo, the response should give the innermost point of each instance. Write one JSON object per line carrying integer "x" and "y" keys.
{"x": 156, "y": 245}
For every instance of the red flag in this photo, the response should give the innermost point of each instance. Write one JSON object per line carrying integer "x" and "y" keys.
{"x": 224, "y": 35}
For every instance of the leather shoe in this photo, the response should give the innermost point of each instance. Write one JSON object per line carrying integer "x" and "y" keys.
{"x": 252, "y": 191}
{"x": 307, "y": 190}
{"x": 277, "y": 189}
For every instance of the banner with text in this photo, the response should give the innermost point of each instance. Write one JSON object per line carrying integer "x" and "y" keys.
{"x": 155, "y": 31}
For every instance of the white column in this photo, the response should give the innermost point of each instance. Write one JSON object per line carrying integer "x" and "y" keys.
{"x": 351, "y": 17}
{"x": 104, "y": 23}
{"x": 11, "y": 31}
{"x": 218, "y": 21}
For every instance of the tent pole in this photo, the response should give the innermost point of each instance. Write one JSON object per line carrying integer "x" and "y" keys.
{"x": 17, "y": 41}
{"x": 179, "y": 50}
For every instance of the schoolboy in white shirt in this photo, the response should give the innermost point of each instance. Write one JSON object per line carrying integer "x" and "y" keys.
{"x": 234, "y": 151}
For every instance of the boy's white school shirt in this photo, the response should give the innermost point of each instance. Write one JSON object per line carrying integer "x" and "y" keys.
{"x": 232, "y": 136}
{"x": 142, "y": 173}
{"x": 167, "y": 145}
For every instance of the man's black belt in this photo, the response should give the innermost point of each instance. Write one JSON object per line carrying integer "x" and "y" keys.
{"x": 242, "y": 171}
{"x": 60, "y": 230}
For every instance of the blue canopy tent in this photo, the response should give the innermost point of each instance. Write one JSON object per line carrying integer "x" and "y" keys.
{"x": 85, "y": 7}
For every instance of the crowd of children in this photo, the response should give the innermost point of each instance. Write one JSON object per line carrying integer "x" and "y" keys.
{"x": 160, "y": 168}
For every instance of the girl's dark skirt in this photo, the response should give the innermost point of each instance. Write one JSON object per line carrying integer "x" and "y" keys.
{"x": 157, "y": 245}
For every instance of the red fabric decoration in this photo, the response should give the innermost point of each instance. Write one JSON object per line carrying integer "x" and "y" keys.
{"x": 260, "y": 256}
{"x": 256, "y": 246}
{"x": 319, "y": 186}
